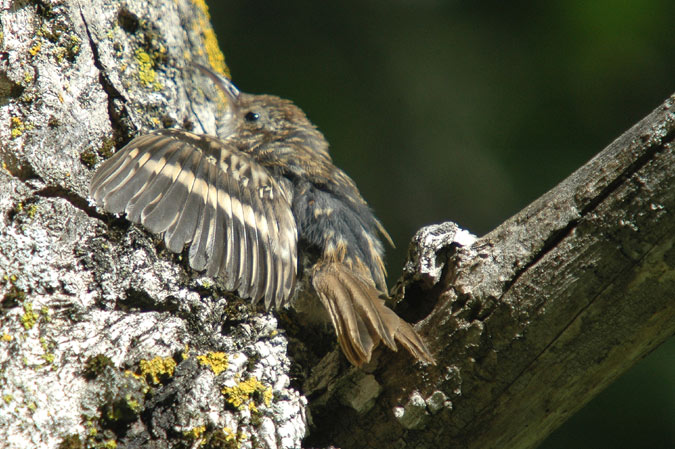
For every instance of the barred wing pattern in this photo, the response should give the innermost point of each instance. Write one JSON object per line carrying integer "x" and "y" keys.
{"x": 196, "y": 189}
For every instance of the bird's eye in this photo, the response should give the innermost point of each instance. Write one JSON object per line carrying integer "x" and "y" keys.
{"x": 251, "y": 116}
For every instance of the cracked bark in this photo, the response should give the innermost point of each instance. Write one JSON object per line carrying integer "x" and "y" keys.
{"x": 104, "y": 338}
{"x": 527, "y": 323}
{"x": 535, "y": 318}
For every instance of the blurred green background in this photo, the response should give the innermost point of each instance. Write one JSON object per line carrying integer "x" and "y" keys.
{"x": 454, "y": 110}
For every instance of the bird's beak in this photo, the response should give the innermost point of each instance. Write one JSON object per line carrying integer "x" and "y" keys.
{"x": 223, "y": 83}
{"x": 226, "y": 122}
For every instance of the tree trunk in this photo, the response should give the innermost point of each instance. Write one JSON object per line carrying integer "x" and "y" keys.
{"x": 107, "y": 339}
{"x": 104, "y": 338}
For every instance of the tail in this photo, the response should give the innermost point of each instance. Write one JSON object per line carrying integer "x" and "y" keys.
{"x": 360, "y": 317}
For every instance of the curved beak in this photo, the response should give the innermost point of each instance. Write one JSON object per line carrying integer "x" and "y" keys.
{"x": 223, "y": 83}
{"x": 226, "y": 122}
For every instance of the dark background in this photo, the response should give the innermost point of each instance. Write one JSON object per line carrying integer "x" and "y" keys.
{"x": 447, "y": 110}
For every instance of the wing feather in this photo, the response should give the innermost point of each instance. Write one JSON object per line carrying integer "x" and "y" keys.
{"x": 129, "y": 155}
{"x": 142, "y": 178}
{"x": 183, "y": 229}
{"x": 239, "y": 235}
{"x": 253, "y": 265}
{"x": 216, "y": 240}
{"x": 227, "y": 266}
{"x": 166, "y": 211}
{"x": 200, "y": 191}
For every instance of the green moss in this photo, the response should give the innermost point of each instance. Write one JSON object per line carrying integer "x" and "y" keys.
{"x": 69, "y": 49}
{"x": 73, "y": 46}
{"x": 71, "y": 442}
{"x": 95, "y": 365}
{"x": 88, "y": 158}
{"x": 14, "y": 295}
{"x": 156, "y": 368}
{"x": 128, "y": 20}
{"x": 29, "y": 318}
{"x": 217, "y": 361}
{"x": 106, "y": 149}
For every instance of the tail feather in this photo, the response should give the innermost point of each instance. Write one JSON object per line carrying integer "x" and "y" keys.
{"x": 407, "y": 336}
{"x": 366, "y": 303}
{"x": 352, "y": 332}
{"x": 360, "y": 317}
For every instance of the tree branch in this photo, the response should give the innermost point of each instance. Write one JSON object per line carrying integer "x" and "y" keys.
{"x": 534, "y": 319}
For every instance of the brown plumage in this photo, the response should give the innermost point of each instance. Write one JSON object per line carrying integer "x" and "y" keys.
{"x": 249, "y": 201}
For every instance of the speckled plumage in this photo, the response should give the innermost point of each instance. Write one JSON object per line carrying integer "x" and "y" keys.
{"x": 248, "y": 201}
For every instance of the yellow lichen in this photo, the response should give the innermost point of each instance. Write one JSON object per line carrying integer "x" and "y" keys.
{"x": 31, "y": 210}
{"x": 159, "y": 366}
{"x": 7, "y": 398}
{"x": 133, "y": 404}
{"x": 129, "y": 373}
{"x": 217, "y": 361}
{"x": 213, "y": 53}
{"x": 35, "y": 49}
{"x": 250, "y": 393}
{"x": 110, "y": 444}
{"x": 48, "y": 357}
{"x": 6, "y": 337}
{"x": 16, "y": 126}
{"x": 195, "y": 433}
{"x": 29, "y": 318}
{"x": 146, "y": 71}
{"x": 229, "y": 434}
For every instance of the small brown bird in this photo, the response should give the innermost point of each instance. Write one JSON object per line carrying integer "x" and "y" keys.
{"x": 248, "y": 201}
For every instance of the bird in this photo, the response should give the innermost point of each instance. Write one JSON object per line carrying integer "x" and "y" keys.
{"x": 253, "y": 200}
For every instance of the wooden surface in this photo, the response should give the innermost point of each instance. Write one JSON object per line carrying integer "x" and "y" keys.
{"x": 538, "y": 316}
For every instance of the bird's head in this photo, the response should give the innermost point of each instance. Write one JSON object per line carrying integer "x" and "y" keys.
{"x": 258, "y": 119}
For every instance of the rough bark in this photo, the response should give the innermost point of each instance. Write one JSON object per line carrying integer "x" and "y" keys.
{"x": 104, "y": 336}
{"x": 105, "y": 339}
{"x": 535, "y": 318}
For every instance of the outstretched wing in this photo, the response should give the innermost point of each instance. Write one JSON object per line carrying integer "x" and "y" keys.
{"x": 198, "y": 190}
